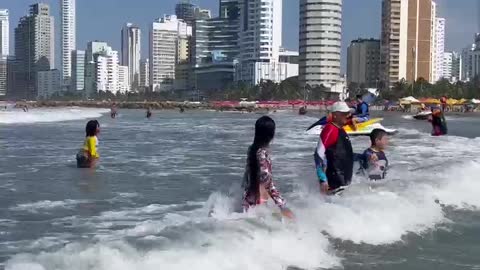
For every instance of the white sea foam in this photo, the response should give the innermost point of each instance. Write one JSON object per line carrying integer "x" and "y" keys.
{"x": 49, "y": 115}
{"x": 46, "y": 205}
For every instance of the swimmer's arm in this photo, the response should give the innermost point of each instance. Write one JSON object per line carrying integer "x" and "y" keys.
{"x": 328, "y": 138}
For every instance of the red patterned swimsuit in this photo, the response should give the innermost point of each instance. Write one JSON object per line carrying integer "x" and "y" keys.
{"x": 266, "y": 186}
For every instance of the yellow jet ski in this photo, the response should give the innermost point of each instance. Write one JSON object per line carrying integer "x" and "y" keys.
{"x": 360, "y": 129}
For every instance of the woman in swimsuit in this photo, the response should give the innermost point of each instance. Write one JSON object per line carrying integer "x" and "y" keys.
{"x": 258, "y": 180}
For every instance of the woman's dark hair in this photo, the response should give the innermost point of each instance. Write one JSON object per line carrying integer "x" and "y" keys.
{"x": 91, "y": 128}
{"x": 264, "y": 133}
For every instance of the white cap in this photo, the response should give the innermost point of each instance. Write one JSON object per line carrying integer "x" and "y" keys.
{"x": 340, "y": 106}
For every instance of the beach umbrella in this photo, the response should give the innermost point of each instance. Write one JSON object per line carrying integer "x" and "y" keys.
{"x": 409, "y": 100}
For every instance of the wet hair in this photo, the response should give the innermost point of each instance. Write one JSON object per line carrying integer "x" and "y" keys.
{"x": 264, "y": 133}
{"x": 359, "y": 97}
{"x": 91, "y": 128}
{"x": 377, "y": 134}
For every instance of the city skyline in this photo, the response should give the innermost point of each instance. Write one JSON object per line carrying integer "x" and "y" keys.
{"x": 105, "y": 26}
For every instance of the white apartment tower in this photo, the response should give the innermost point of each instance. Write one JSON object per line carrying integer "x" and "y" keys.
{"x": 107, "y": 71}
{"x": 68, "y": 37}
{"x": 320, "y": 42}
{"x": 439, "y": 50}
{"x": 93, "y": 48}
{"x": 123, "y": 79}
{"x": 144, "y": 74}
{"x": 131, "y": 53}
{"x": 4, "y": 32}
{"x": 447, "y": 65}
{"x": 164, "y": 36}
{"x": 260, "y": 39}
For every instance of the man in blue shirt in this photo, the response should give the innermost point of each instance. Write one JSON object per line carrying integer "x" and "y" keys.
{"x": 361, "y": 112}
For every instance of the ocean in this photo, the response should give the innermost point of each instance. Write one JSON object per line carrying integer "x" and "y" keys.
{"x": 166, "y": 190}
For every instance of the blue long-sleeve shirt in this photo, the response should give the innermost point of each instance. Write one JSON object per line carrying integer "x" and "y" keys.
{"x": 362, "y": 110}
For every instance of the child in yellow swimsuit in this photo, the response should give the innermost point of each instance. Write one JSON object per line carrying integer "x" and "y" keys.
{"x": 88, "y": 155}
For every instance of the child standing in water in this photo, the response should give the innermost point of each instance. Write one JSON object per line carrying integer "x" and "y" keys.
{"x": 374, "y": 162}
{"x": 258, "y": 180}
{"x": 87, "y": 156}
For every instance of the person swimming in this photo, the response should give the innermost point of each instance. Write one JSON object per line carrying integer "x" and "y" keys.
{"x": 258, "y": 180}
{"x": 149, "y": 113}
{"x": 113, "y": 111}
{"x": 373, "y": 161}
{"x": 87, "y": 156}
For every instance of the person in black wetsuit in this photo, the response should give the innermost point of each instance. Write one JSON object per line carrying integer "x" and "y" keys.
{"x": 334, "y": 154}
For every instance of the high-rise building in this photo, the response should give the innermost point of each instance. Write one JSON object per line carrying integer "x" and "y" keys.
{"x": 107, "y": 71}
{"x": 78, "y": 71}
{"x": 202, "y": 14}
{"x": 439, "y": 49}
{"x": 34, "y": 50}
{"x": 456, "y": 67}
{"x": 406, "y": 40}
{"x": 144, "y": 74}
{"x": 182, "y": 66}
{"x": 4, "y": 32}
{"x": 260, "y": 41}
{"x": 229, "y": 9}
{"x": 185, "y": 11}
{"x": 214, "y": 50}
{"x": 93, "y": 49}
{"x": 164, "y": 37}
{"x": 288, "y": 63}
{"x": 466, "y": 63}
{"x": 470, "y": 60}
{"x": 447, "y": 65}
{"x": 131, "y": 53}
{"x": 320, "y": 42}
{"x": 123, "y": 79}
{"x": 48, "y": 83}
{"x": 3, "y": 75}
{"x": 68, "y": 37}
{"x": 363, "y": 62}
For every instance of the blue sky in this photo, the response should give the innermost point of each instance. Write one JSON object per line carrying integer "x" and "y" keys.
{"x": 103, "y": 19}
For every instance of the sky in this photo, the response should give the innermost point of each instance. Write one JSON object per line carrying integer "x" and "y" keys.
{"x": 103, "y": 20}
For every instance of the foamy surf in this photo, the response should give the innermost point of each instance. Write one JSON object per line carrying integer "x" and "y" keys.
{"x": 47, "y": 115}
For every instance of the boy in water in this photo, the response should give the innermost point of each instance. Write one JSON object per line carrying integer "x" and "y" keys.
{"x": 374, "y": 162}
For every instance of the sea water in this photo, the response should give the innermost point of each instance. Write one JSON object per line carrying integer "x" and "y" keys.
{"x": 165, "y": 195}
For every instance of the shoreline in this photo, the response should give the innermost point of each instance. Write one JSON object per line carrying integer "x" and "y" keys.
{"x": 170, "y": 105}
{"x": 173, "y": 105}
